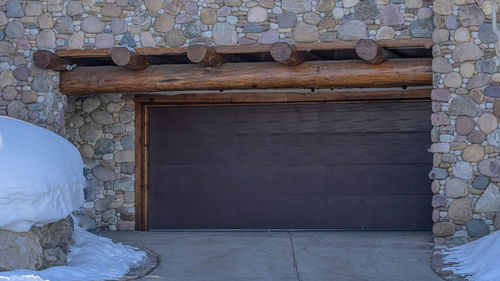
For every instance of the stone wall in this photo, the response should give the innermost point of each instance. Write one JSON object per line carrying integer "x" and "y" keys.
{"x": 466, "y": 135}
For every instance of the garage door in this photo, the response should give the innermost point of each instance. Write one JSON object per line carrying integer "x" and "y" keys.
{"x": 290, "y": 166}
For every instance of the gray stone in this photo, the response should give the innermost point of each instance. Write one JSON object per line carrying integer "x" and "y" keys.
{"x": 103, "y": 173}
{"x": 224, "y": 34}
{"x": 304, "y": 33}
{"x": 127, "y": 142}
{"x": 128, "y": 40}
{"x": 489, "y": 167}
{"x": 90, "y": 132}
{"x": 117, "y": 129}
{"x": 471, "y": 15}
{"x": 296, "y": 6}
{"x": 489, "y": 202}
{"x": 46, "y": 39}
{"x": 104, "y": 41}
{"x": 92, "y": 24}
{"x": 56, "y": 235}
{"x": 17, "y": 110}
{"x": 463, "y": 105}
{"x": 252, "y": 28}
{"x": 55, "y": 5}
{"x": 390, "y": 16}
{"x": 438, "y": 201}
{"x": 74, "y": 8}
{"x": 494, "y": 138}
{"x": 14, "y": 9}
{"x": 102, "y": 117}
{"x": 486, "y": 34}
{"x": 124, "y": 156}
{"x": 492, "y": 91}
{"x": 9, "y": 93}
{"x": 441, "y": 65}
{"x": 64, "y": 25}
{"x": 21, "y": 73}
{"x": 451, "y": 22}
{"x": 478, "y": 81}
{"x": 462, "y": 170}
{"x": 328, "y": 37}
{"x": 86, "y": 222}
{"x": 477, "y": 229}
{"x": 269, "y": 37}
{"x": 352, "y": 30}
{"x": 118, "y": 26}
{"x": 103, "y": 204}
{"x": 287, "y": 20}
{"x": 6, "y": 49}
{"x": 2, "y": 34}
{"x": 480, "y": 182}
{"x": 467, "y": 52}
{"x": 438, "y": 174}
{"x": 109, "y": 216}
{"x": 141, "y": 18}
{"x": 366, "y": 10}
{"x": 42, "y": 83}
{"x": 422, "y": 28}
{"x": 312, "y": 18}
{"x": 190, "y": 30}
{"x": 104, "y": 146}
{"x": 20, "y": 250}
{"x": 123, "y": 184}
{"x": 90, "y": 104}
{"x": 455, "y": 188}
{"x": 460, "y": 210}
{"x": 14, "y": 30}
{"x": 487, "y": 65}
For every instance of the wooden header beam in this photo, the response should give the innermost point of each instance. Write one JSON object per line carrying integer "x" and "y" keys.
{"x": 204, "y": 55}
{"x": 286, "y": 53}
{"x": 246, "y": 49}
{"x": 262, "y": 75}
{"x": 371, "y": 52}
{"x": 124, "y": 57}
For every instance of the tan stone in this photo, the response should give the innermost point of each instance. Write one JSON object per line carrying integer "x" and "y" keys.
{"x": 453, "y": 80}
{"x": 442, "y": 7}
{"x": 154, "y": 5}
{"x": 460, "y": 210}
{"x": 257, "y": 14}
{"x": 208, "y": 16}
{"x": 45, "y": 21}
{"x": 164, "y": 23}
{"x": 305, "y": 33}
{"x": 435, "y": 187}
{"x": 385, "y": 32}
{"x": 487, "y": 8}
{"x": 76, "y": 40}
{"x": 111, "y": 10}
{"x": 6, "y": 79}
{"x": 473, "y": 153}
{"x": 147, "y": 40}
{"x": 462, "y": 35}
{"x": 487, "y": 123}
{"x": 467, "y": 69}
{"x": 440, "y": 35}
{"x": 414, "y": 3}
{"x": 124, "y": 156}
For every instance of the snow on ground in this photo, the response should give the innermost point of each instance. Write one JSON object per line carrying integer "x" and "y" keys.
{"x": 41, "y": 176}
{"x": 92, "y": 258}
{"x": 479, "y": 260}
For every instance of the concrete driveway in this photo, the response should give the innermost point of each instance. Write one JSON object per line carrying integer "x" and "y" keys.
{"x": 287, "y": 256}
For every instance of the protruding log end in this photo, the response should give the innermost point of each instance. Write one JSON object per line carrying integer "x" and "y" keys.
{"x": 204, "y": 55}
{"x": 47, "y": 60}
{"x": 286, "y": 53}
{"x": 124, "y": 57}
{"x": 370, "y": 51}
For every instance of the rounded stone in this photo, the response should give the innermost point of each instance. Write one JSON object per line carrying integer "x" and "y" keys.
{"x": 462, "y": 35}
{"x": 467, "y": 52}
{"x": 175, "y": 38}
{"x": 390, "y": 15}
{"x": 440, "y": 35}
{"x": 90, "y": 104}
{"x": 92, "y": 24}
{"x": 480, "y": 182}
{"x": 352, "y": 30}
{"x": 304, "y": 33}
{"x": 74, "y": 8}
{"x": 477, "y": 228}
{"x": 21, "y": 73}
{"x": 473, "y": 153}
{"x": 104, "y": 146}
{"x": 14, "y": 30}
{"x": 350, "y": 3}
{"x": 438, "y": 201}
{"x": 192, "y": 8}
{"x": 441, "y": 65}
{"x": 455, "y": 188}
{"x": 190, "y": 30}
{"x": 325, "y": 5}
{"x": 111, "y": 10}
{"x": 118, "y": 26}
{"x": 154, "y": 5}
{"x": 9, "y": 93}
{"x": 470, "y": 15}
{"x": 489, "y": 167}
{"x": 453, "y": 80}
{"x": 443, "y": 229}
{"x": 208, "y": 16}
{"x": 46, "y": 39}
{"x": 314, "y": 18}
{"x": 90, "y": 132}
{"x": 460, "y": 210}
{"x": 103, "y": 173}
{"x": 487, "y": 123}
{"x": 87, "y": 151}
{"x": 385, "y": 32}
{"x": 462, "y": 170}
{"x": 76, "y": 40}
{"x": 257, "y": 14}
{"x": 412, "y": 4}
{"x": 224, "y": 33}
{"x": 104, "y": 41}
{"x": 442, "y": 7}
{"x": 467, "y": 69}
{"x": 164, "y": 23}
{"x": 287, "y": 20}
{"x": 124, "y": 156}
{"x": 464, "y": 125}
{"x": 147, "y": 40}
{"x": 476, "y": 137}
{"x": 102, "y": 117}
{"x": 269, "y": 37}
{"x": 424, "y": 13}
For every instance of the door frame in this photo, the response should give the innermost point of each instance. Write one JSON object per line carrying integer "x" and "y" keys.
{"x": 145, "y": 101}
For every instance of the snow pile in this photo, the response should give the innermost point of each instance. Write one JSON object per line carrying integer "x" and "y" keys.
{"x": 41, "y": 176}
{"x": 91, "y": 258}
{"x": 479, "y": 260}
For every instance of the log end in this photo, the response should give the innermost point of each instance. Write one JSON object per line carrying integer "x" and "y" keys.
{"x": 197, "y": 53}
{"x": 121, "y": 56}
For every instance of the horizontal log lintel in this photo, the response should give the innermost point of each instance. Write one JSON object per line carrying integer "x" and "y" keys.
{"x": 261, "y": 75}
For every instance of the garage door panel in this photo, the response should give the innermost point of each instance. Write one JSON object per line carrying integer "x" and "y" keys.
{"x": 289, "y": 180}
{"x": 300, "y": 149}
{"x": 320, "y": 166}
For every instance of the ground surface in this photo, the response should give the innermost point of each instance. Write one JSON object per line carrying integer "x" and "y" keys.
{"x": 287, "y": 256}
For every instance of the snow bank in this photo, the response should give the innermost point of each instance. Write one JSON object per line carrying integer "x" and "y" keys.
{"x": 478, "y": 259}
{"x": 41, "y": 176}
{"x": 91, "y": 258}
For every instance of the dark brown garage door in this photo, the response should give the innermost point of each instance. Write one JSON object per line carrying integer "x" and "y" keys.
{"x": 295, "y": 166}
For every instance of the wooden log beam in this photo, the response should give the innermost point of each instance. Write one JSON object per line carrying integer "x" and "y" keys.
{"x": 204, "y": 55}
{"x": 122, "y": 56}
{"x": 370, "y": 51}
{"x": 47, "y": 60}
{"x": 286, "y": 53}
{"x": 262, "y": 75}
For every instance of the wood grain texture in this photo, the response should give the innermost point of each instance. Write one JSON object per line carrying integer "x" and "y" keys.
{"x": 320, "y": 166}
{"x": 124, "y": 57}
{"x": 265, "y": 75}
{"x": 47, "y": 60}
{"x": 286, "y": 53}
{"x": 370, "y": 51}
{"x": 204, "y": 55}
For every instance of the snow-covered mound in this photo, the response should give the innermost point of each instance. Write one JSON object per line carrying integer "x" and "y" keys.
{"x": 41, "y": 176}
{"x": 478, "y": 260}
{"x": 92, "y": 258}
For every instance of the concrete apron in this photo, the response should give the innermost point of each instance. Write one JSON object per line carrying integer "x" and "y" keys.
{"x": 290, "y": 256}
